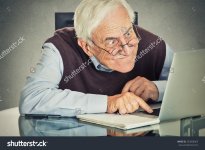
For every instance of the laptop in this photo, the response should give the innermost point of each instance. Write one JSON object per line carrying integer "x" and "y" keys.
{"x": 184, "y": 95}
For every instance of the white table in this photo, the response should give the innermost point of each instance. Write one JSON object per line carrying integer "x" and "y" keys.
{"x": 9, "y": 122}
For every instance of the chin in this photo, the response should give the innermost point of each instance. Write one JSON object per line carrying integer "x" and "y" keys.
{"x": 124, "y": 69}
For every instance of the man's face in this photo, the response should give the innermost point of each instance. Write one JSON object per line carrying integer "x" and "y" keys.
{"x": 115, "y": 43}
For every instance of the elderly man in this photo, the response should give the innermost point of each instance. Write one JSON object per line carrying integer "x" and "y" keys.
{"x": 103, "y": 64}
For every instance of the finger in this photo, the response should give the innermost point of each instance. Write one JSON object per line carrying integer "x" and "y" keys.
{"x": 111, "y": 106}
{"x": 127, "y": 86}
{"x": 144, "y": 105}
{"x": 139, "y": 90}
{"x": 128, "y": 107}
{"x": 138, "y": 78}
{"x": 112, "y": 109}
{"x": 146, "y": 94}
{"x": 121, "y": 108}
{"x": 135, "y": 105}
{"x": 131, "y": 83}
{"x": 137, "y": 83}
{"x": 153, "y": 94}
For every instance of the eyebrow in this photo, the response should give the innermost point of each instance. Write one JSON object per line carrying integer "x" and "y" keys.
{"x": 112, "y": 38}
{"x": 127, "y": 30}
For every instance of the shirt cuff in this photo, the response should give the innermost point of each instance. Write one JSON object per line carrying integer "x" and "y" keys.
{"x": 97, "y": 103}
{"x": 161, "y": 85}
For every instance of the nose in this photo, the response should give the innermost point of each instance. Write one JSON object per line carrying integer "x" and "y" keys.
{"x": 125, "y": 49}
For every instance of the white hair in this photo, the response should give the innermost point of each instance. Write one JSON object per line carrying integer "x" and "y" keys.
{"x": 90, "y": 13}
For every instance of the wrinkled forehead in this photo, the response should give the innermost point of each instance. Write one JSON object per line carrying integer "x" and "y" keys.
{"x": 115, "y": 24}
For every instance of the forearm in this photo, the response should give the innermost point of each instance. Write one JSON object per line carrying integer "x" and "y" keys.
{"x": 42, "y": 98}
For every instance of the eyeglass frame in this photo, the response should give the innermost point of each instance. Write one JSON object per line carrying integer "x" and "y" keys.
{"x": 138, "y": 37}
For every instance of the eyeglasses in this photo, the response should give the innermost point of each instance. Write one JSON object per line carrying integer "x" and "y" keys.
{"x": 114, "y": 46}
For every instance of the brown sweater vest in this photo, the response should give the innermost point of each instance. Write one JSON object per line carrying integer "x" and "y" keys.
{"x": 81, "y": 75}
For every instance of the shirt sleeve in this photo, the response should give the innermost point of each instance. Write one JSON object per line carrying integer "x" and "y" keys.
{"x": 41, "y": 93}
{"x": 161, "y": 84}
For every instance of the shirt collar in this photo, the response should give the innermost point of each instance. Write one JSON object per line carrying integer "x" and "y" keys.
{"x": 99, "y": 66}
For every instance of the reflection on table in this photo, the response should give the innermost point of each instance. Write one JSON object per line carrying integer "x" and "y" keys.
{"x": 55, "y": 126}
{"x": 192, "y": 127}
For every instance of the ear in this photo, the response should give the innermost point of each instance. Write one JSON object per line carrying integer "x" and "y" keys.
{"x": 86, "y": 48}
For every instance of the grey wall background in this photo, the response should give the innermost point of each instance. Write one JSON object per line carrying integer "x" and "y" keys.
{"x": 180, "y": 22}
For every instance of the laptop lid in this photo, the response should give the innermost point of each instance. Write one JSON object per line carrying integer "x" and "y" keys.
{"x": 185, "y": 91}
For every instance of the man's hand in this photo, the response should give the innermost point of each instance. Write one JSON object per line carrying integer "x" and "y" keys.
{"x": 126, "y": 102}
{"x": 142, "y": 87}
